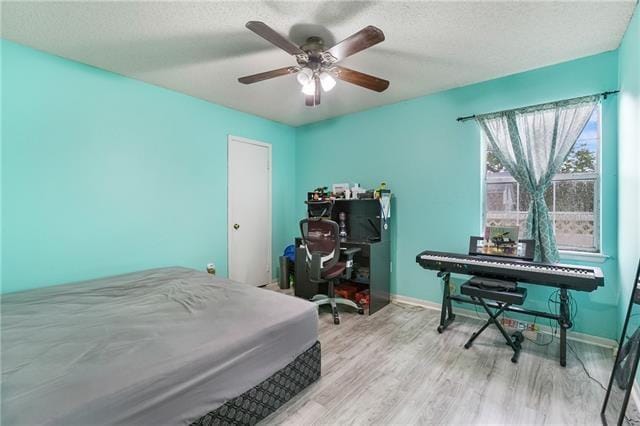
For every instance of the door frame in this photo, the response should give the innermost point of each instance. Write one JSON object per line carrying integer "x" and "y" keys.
{"x": 238, "y": 139}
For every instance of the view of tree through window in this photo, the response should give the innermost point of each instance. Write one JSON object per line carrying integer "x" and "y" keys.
{"x": 572, "y": 198}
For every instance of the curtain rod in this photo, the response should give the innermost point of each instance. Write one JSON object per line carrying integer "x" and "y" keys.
{"x": 603, "y": 94}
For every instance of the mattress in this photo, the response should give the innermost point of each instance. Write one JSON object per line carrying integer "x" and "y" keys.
{"x": 163, "y": 346}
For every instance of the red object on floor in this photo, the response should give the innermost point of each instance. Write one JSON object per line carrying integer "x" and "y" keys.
{"x": 347, "y": 291}
{"x": 362, "y": 298}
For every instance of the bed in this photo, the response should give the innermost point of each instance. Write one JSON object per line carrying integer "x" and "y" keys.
{"x": 162, "y": 346}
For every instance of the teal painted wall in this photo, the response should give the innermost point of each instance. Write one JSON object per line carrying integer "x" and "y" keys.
{"x": 433, "y": 165}
{"x": 629, "y": 161}
{"x": 102, "y": 174}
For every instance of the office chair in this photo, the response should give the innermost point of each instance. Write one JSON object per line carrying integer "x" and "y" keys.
{"x": 322, "y": 245}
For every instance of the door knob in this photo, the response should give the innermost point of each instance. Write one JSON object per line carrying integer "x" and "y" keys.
{"x": 236, "y": 226}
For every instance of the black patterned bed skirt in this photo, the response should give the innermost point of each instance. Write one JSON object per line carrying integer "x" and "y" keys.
{"x": 265, "y": 398}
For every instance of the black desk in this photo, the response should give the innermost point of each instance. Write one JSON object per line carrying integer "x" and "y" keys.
{"x": 369, "y": 230}
{"x": 372, "y": 255}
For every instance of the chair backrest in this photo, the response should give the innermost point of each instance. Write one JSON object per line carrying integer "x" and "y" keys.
{"x": 316, "y": 209}
{"x": 321, "y": 238}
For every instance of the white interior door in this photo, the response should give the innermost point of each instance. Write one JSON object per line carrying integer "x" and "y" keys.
{"x": 249, "y": 189}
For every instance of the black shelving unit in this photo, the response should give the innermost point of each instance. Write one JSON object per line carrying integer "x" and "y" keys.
{"x": 366, "y": 230}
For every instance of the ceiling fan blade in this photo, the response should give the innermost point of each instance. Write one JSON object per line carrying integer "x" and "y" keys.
{"x": 269, "y": 34}
{"x": 316, "y": 101}
{"x": 360, "y": 79}
{"x": 361, "y": 40}
{"x": 248, "y": 79}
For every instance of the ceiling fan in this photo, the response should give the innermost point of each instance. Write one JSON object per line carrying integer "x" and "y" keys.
{"x": 316, "y": 65}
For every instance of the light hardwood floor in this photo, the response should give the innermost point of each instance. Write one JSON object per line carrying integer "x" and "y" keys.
{"x": 394, "y": 368}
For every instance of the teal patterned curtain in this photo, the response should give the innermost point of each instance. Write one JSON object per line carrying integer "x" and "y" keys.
{"x": 532, "y": 143}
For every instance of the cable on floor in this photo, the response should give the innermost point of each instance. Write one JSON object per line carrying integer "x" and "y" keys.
{"x": 584, "y": 367}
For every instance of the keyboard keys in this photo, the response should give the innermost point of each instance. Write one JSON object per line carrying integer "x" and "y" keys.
{"x": 554, "y": 274}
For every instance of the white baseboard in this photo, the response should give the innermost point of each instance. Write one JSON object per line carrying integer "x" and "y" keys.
{"x": 571, "y": 335}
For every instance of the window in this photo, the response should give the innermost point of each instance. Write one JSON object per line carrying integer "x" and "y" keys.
{"x": 572, "y": 198}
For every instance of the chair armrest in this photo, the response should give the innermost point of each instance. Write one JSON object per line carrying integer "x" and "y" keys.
{"x": 351, "y": 251}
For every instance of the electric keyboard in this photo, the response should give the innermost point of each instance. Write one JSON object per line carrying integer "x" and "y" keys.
{"x": 580, "y": 278}
{"x": 564, "y": 277}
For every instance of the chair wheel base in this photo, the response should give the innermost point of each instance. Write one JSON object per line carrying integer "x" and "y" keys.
{"x": 336, "y": 315}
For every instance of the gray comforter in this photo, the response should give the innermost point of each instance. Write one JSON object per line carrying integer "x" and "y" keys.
{"x": 162, "y": 346}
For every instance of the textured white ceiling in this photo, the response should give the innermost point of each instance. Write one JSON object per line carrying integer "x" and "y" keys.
{"x": 201, "y": 48}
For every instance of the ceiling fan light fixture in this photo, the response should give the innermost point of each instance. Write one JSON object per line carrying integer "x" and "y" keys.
{"x": 309, "y": 88}
{"x": 327, "y": 81}
{"x": 305, "y": 76}
{"x": 317, "y": 68}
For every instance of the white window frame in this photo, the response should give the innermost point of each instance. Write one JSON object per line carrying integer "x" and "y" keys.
{"x": 575, "y": 253}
